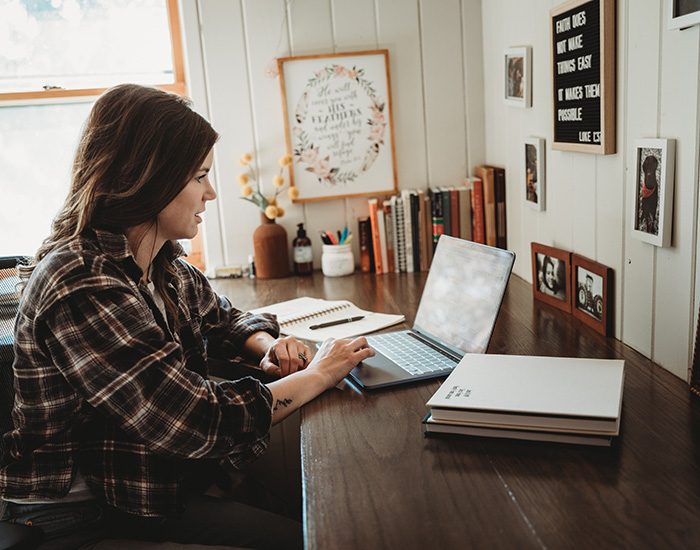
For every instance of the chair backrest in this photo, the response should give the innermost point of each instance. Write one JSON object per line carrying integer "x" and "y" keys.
{"x": 9, "y": 303}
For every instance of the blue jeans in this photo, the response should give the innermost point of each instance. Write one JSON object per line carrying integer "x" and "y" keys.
{"x": 207, "y": 521}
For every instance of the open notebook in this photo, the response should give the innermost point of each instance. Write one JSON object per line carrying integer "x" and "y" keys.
{"x": 296, "y": 316}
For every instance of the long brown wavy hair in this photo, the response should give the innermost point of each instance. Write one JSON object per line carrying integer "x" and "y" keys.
{"x": 139, "y": 147}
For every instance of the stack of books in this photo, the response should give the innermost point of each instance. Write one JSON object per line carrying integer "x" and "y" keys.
{"x": 568, "y": 400}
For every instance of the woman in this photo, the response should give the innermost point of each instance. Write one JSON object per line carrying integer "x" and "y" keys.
{"x": 549, "y": 278}
{"x": 114, "y": 411}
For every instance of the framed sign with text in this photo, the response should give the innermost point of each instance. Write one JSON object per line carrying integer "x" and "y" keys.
{"x": 339, "y": 129}
{"x": 583, "y": 76}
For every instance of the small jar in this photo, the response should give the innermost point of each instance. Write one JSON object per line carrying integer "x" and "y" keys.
{"x": 337, "y": 260}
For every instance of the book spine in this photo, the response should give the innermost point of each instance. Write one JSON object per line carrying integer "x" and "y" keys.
{"x": 408, "y": 238}
{"x": 438, "y": 221}
{"x": 398, "y": 223}
{"x": 478, "y": 211}
{"x": 365, "y": 232}
{"x": 415, "y": 231}
{"x": 454, "y": 211}
{"x": 376, "y": 245}
{"x": 465, "y": 213}
{"x": 446, "y": 212}
{"x": 389, "y": 231}
{"x": 422, "y": 230}
{"x": 381, "y": 230}
{"x": 427, "y": 230}
{"x": 500, "y": 177}
{"x": 489, "y": 190}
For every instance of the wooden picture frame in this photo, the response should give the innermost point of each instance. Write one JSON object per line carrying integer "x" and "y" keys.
{"x": 583, "y": 76}
{"x": 652, "y": 193}
{"x": 551, "y": 275}
{"x": 593, "y": 294}
{"x": 339, "y": 127}
{"x": 517, "y": 81}
{"x": 683, "y": 13}
{"x": 534, "y": 169}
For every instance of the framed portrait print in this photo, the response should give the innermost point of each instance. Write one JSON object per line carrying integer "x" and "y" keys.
{"x": 534, "y": 167}
{"x": 338, "y": 121}
{"x": 583, "y": 76}
{"x": 652, "y": 201}
{"x": 518, "y": 76}
{"x": 551, "y": 276}
{"x": 683, "y": 13}
{"x": 593, "y": 290}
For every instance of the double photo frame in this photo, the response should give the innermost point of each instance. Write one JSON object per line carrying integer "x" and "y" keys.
{"x": 574, "y": 284}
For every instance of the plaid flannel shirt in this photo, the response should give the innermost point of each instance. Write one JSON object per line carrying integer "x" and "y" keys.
{"x": 103, "y": 385}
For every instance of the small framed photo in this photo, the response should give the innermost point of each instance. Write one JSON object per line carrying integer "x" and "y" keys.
{"x": 551, "y": 276}
{"x": 518, "y": 76}
{"x": 533, "y": 164}
{"x": 652, "y": 203}
{"x": 683, "y": 13}
{"x": 593, "y": 290}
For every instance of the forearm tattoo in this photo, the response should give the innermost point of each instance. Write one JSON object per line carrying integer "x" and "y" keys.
{"x": 283, "y": 403}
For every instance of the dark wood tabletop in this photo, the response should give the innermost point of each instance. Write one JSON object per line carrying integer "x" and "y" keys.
{"x": 372, "y": 480}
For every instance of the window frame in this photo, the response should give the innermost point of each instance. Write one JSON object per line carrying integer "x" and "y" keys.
{"x": 178, "y": 87}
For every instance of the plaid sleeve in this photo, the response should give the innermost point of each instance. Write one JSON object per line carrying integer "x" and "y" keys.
{"x": 224, "y": 327}
{"x": 134, "y": 374}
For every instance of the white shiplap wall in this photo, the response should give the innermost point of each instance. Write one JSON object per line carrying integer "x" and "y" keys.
{"x": 445, "y": 63}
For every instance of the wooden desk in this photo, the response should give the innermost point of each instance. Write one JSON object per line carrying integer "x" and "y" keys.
{"x": 372, "y": 480}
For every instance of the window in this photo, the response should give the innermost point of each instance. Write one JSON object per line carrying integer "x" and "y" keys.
{"x": 56, "y": 56}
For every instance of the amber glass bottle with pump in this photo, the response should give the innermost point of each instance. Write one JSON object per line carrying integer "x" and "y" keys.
{"x": 303, "y": 258}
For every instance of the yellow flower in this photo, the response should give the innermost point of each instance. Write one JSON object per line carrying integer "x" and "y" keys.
{"x": 243, "y": 179}
{"x": 293, "y": 193}
{"x": 244, "y": 159}
{"x": 272, "y": 201}
{"x": 286, "y": 160}
{"x": 246, "y": 191}
{"x": 278, "y": 181}
{"x": 271, "y": 212}
{"x": 280, "y": 211}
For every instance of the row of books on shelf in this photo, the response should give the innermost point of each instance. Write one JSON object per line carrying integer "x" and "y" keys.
{"x": 401, "y": 232}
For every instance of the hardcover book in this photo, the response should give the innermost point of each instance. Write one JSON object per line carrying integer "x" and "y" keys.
{"x": 486, "y": 175}
{"x": 535, "y": 393}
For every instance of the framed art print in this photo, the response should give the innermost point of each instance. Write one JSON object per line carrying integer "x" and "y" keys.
{"x": 652, "y": 201}
{"x": 551, "y": 276}
{"x": 593, "y": 288}
{"x": 338, "y": 121}
{"x": 683, "y": 13}
{"x": 534, "y": 169}
{"x": 518, "y": 76}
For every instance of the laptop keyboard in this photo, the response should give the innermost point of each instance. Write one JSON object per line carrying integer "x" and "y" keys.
{"x": 411, "y": 353}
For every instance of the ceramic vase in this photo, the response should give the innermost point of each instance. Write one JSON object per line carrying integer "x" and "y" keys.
{"x": 271, "y": 250}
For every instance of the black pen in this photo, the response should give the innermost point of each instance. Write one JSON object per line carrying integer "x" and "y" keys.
{"x": 338, "y": 322}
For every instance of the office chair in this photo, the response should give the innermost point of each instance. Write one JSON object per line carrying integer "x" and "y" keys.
{"x": 13, "y": 536}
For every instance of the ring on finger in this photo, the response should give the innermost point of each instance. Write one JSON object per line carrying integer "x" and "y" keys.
{"x": 302, "y": 357}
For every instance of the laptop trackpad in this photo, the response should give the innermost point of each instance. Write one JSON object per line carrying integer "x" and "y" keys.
{"x": 377, "y": 371}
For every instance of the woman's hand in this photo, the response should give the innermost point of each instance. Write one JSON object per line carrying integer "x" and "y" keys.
{"x": 336, "y": 358}
{"x": 285, "y": 356}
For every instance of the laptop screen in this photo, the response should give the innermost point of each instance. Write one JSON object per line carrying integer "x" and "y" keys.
{"x": 463, "y": 294}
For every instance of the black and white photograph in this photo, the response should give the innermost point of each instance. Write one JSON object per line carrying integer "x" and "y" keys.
{"x": 551, "y": 280}
{"x": 589, "y": 293}
{"x": 593, "y": 290}
{"x": 653, "y": 190}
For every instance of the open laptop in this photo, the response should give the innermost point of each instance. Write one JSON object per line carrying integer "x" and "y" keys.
{"x": 456, "y": 315}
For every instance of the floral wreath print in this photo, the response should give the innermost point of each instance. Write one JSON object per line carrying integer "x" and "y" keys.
{"x": 310, "y": 155}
